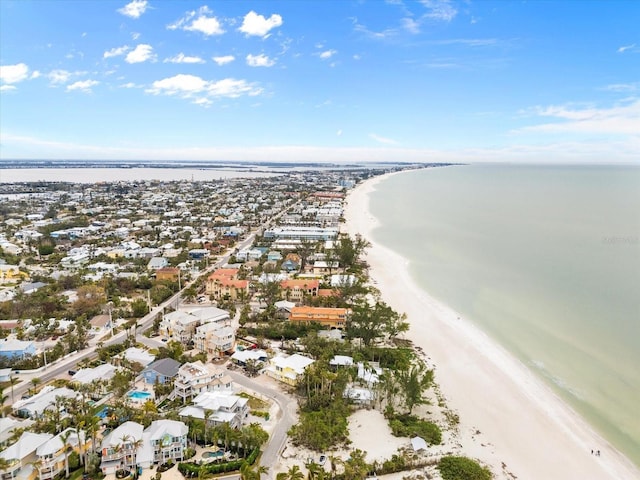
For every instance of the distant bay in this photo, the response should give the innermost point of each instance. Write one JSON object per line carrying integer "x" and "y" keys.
{"x": 94, "y": 175}
{"x": 546, "y": 260}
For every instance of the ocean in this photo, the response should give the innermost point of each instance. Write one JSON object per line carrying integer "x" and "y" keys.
{"x": 546, "y": 260}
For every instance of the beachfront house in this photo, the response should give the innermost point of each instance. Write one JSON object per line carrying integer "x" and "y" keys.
{"x": 288, "y": 369}
{"x": 327, "y": 317}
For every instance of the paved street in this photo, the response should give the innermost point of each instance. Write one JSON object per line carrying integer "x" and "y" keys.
{"x": 286, "y": 417}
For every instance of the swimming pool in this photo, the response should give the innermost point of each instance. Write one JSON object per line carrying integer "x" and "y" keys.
{"x": 216, "y": 454}
{"x": 138, "y": 395}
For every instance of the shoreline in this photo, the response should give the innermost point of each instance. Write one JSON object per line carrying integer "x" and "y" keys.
{"x": 526, "y": 430}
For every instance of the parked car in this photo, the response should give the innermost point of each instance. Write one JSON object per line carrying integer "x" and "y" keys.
{"x": 323, "y": 458}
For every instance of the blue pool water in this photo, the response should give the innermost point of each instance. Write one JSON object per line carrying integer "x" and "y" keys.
{"x": 138, "y": 395}
{"x": 216, "y": 454}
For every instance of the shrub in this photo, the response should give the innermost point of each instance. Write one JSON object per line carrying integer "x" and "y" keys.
{"x": 411, "y": 426}
{"x": 462, "y": 468}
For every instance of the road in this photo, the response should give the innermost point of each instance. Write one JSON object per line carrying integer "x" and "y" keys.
{"x": 286, "y": 419}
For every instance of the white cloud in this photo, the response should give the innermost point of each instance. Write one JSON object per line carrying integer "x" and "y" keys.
{"x": 35, "y": 74}
{"x": 327, "y": 54}
{"x": 24, "y": 146}
{"x": 339, "y": 133}
{"x": 7, "y": 88}
{"x": 116, "y": 51}
{"x": 141, "y": 53}
{"x": 182, "y": 58}
{"x": 624, "y": 48}
{"x": 129, "y": 85}
{"x": 194, "y": 87}
{"x": 623, "y": 87}
{"x": 83, "y": 85}
{"x": 223, "y": 60}
{"x": 621, "y": 119}
{"x": 135, "y": 35}
{"x": 202, "y": 101}
{"x": 385, "y": 140}
{"x": 14, "y": 73}
{"x": 259, "y": 26}
{"x": 260, "y": 61}
{"x": 441, "y": 10}
{"x": 134, "y": 9}
{"x": 201, "y": 21}
{"x": 59, "y": 76}
{"x": 410, "y": 25}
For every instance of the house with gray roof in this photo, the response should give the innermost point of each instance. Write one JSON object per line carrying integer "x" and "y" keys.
{"x": 161, "y": 371}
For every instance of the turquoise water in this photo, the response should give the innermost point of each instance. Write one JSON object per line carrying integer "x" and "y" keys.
{"x": 546, "y": 259}
{"x": 216, "y": 454}
{"x": 138, "y": 395}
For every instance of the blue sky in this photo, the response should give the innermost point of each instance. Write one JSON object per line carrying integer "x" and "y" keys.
{"x": 341, "y": 80}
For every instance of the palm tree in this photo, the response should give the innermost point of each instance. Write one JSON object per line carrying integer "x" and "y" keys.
{"x": 248, "y": 473}
{"x": 334, "y": 462}
{"x": 294, "y": 473}
{"x": 136, "y": 446}
{"x": 37, "y": 465}
{"x": 3, "y": 398}
{"x": 5, "y": 464}
{"x": 314, "y": 471}
{"x": 81, "y": 440}
{"x": 260, "y": 469}
{"x": 356, "y": 467}
{"x": 207, "y": 414}
{"x": 35, "y": 382}
{"x": 64, "y": 436}
{"x": 12, "y": 381}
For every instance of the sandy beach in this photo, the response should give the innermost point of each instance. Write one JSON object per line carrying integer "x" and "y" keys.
{"x": 509, "y": 419}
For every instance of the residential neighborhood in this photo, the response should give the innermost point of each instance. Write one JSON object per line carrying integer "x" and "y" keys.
{"x": 168, "y": 323}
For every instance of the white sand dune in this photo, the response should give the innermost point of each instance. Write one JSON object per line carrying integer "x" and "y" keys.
{"x": 509, "y": 419}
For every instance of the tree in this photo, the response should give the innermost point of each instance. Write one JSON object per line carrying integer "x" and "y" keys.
{"x": 13, "y": 380}
{"x": 356, "y": 467}
{"x": 294, "y": 473}
{"x": 3, "y": 398}
{"x": 348, "y": 251}
{"x": 35, "y": 382}
{"x": 90, "y": 300}
{"x": 462, "y": 468}
{"x": 371, "y": 322}
{"x": 270, "y": 292}
{"x": 139, "y": 307}
{"x": 305, "y": 249}
{"x": 397, "y": 325}
{"x": 413, "y": 382}
{"x": 189, "y": 294}
{"x": 64, "y": 436}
